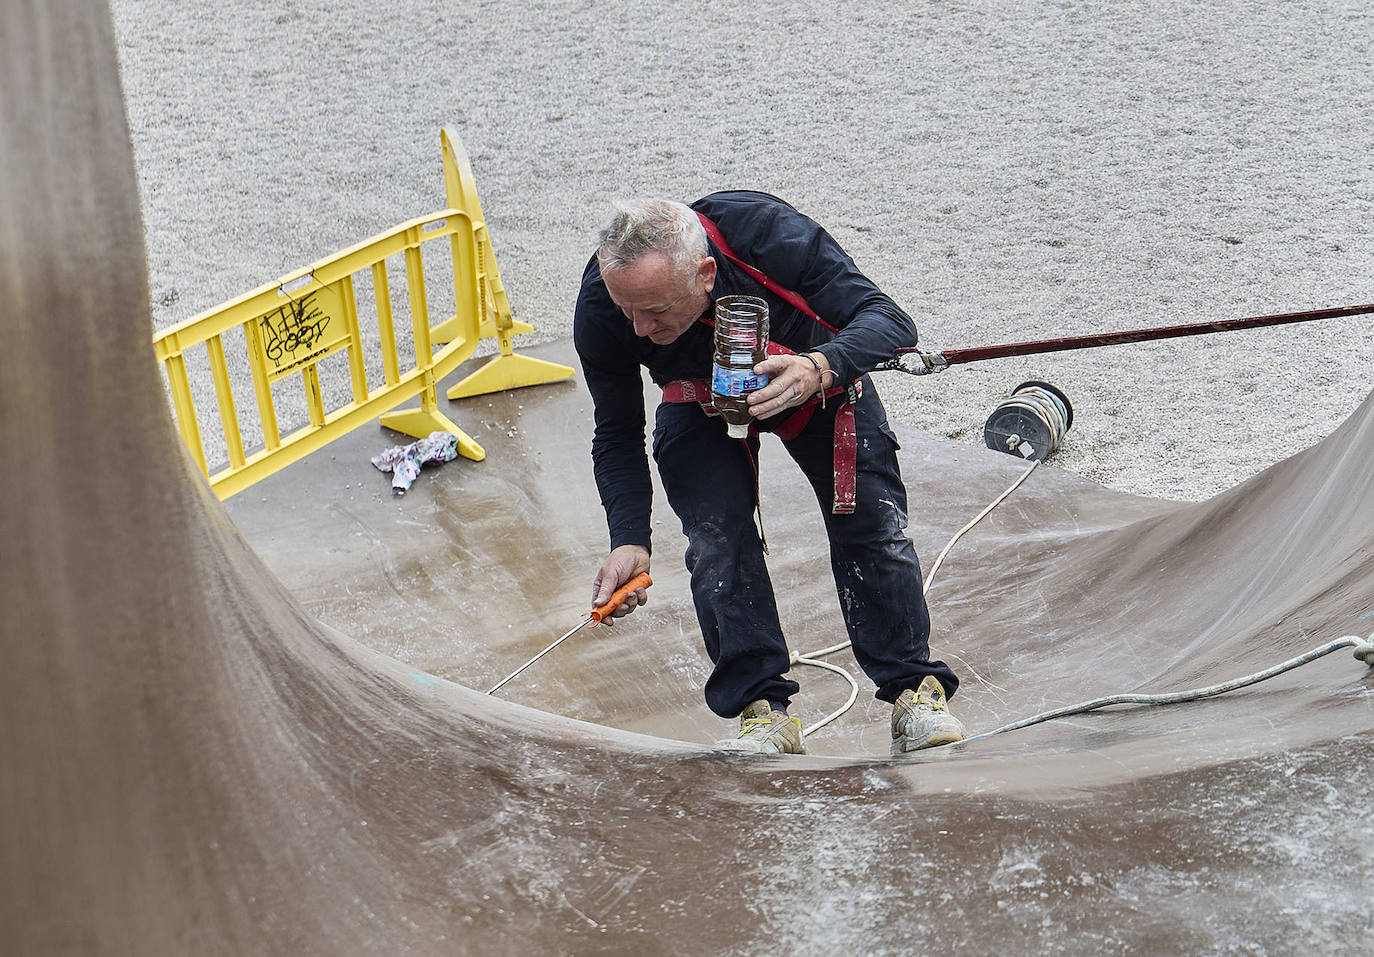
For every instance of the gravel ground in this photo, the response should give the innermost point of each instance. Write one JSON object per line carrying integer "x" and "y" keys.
{"x": 1006, "y": 170}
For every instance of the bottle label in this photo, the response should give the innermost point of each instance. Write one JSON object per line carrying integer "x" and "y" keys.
{"x": 734, "y": 382}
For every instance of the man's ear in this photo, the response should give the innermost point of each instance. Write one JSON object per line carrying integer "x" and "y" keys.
{"x": 706, "y": 272}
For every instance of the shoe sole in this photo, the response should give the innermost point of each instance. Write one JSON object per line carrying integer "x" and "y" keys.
{"x": 905, "y": 745}
{"x": 751, "y": 747}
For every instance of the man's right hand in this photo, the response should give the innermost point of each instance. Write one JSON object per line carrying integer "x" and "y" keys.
{"x": 624, "y": 563}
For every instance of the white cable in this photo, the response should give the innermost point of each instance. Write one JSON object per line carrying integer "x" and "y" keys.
{"x": 940, "y": 559}
{"x": 1364, "y": 650}
{"x": 853, "y": 689}
{"x": 810, "y": 657}
{"x": 1363, "y": 647}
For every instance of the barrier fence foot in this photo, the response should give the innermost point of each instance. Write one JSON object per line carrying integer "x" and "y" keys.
{"x": 503, "y": 372}
{"x": 418, "y": 423}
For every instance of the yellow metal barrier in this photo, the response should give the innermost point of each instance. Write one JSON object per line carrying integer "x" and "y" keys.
{"x": 506, "y": 369}
{"x": 305, "y": 318}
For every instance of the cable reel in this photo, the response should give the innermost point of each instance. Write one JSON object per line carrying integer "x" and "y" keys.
{"x": 1030, "y": 423}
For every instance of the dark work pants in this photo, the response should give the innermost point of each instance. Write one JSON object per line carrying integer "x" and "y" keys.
{"x": 710, "y": 484}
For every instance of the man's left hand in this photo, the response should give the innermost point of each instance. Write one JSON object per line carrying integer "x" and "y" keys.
{"x": 792, "y": 380}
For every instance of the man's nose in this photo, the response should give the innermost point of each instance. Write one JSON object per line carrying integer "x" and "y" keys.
{"x": 642, "y": 322}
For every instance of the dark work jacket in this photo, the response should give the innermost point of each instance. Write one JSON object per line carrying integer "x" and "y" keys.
{"x": 788, "y": 247}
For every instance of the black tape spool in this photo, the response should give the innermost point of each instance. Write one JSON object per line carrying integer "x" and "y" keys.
{"x": 1030, "y": 423}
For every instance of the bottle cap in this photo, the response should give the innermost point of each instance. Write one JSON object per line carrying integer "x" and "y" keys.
{"x": 737, "y": 431}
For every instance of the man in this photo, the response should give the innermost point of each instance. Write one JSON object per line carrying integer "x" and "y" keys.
{"x": 654, "y": 278}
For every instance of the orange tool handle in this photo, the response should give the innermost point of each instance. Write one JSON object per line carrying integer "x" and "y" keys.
{"x": 642, "y": 580}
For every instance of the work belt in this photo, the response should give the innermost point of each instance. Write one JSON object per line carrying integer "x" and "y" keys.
{"x": 846, "y": 436}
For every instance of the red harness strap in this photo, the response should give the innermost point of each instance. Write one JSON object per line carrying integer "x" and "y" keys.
{"x": 713, "y": 231}
{"x": 846, "y": 436}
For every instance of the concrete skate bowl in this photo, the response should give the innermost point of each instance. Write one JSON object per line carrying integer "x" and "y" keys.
{"x": 206, "y": 749}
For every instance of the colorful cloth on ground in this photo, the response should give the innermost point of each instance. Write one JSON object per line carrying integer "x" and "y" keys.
{"x": 404, "y": 461}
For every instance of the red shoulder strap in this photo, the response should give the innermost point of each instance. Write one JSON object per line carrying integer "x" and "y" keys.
{"x": 713, "y": 231}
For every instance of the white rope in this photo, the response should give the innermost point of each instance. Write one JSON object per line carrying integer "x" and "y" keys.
{"x": 853, "y": 689}
{"x": 1364, "y": 651}
{"x": 940, "y": 559}
{"x": 810, "y": 658}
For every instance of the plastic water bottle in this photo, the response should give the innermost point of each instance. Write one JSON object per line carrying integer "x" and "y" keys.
{"x": 741, "y": 343}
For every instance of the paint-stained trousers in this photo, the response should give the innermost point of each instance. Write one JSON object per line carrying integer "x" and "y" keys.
{"x": 709, "y": 479}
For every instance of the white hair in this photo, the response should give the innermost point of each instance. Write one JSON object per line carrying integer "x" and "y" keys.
{"x": 642, "y": 225}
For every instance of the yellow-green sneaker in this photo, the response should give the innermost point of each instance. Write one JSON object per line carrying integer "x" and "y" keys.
{"x": 921, "y": 719}
{"x": 765, "y": 731}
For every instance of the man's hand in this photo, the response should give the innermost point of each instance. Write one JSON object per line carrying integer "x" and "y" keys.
{"x": 624, "y": 563}
{"x": 793, "y": 380}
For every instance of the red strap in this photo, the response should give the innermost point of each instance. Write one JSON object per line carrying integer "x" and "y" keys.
{"x": 846, "y": 437}
{"x": 699, "y": 391}
{"x": 787, "y": 295}
{"x": 846, "y": 466}
{"x": 690, "y": 390}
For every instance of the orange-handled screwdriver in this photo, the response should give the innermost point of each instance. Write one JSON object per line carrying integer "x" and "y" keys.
{"x": 642, "y": 580}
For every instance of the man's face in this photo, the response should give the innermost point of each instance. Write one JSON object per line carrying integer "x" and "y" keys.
{"x": 661, "y": 303}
